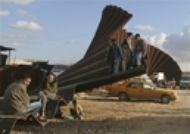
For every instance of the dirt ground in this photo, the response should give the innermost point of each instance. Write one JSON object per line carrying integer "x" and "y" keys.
{"x": 107, "y": 115}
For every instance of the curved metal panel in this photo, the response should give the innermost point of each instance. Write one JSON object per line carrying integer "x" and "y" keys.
{"x": 94, "y": 65}
{"x": 159, "y": 61}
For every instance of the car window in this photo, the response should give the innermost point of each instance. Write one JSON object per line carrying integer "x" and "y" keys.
{"x": 135, "y": 85}
{"x": 147, "y": 86}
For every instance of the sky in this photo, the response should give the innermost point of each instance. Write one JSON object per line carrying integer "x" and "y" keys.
{"x": 60, "y": 31}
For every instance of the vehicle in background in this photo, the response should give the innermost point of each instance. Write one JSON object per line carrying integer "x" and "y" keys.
{"x": 185, "y": 82}
{"x": 159, "y": 79}
{"x": 141, "y": 90}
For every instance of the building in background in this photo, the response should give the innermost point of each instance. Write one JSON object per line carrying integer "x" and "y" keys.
{"x": 185, "y": 80}
{"x": 4, "y": 56}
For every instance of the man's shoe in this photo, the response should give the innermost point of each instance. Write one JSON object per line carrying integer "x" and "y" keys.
{"x": 42, "y": 118}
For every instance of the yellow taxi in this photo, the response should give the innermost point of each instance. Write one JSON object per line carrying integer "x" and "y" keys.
{"x": 141, "y": 90}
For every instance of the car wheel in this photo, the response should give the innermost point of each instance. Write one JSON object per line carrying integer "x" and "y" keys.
{"x": 123, "y": 97}
{"x": 165, "y": 99}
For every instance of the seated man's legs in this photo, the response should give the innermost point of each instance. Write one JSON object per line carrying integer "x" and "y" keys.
{"x": 34, "y": 106}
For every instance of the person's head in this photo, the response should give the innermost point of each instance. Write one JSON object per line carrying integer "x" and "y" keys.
{"x": 26, "y": 79}
{"x": 51, "y": 77}
{"x": 137, "y": 36}
{"x": 129, "y": 34}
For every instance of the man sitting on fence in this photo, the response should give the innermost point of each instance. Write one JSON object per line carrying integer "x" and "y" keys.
{"x": 16, "y": 99}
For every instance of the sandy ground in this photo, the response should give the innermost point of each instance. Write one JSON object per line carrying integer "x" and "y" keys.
{"x": 107, "y": 115}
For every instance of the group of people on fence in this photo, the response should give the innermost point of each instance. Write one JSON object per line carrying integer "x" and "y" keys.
{"x": 17, "y": 101}
{"x": 126, "y": 55}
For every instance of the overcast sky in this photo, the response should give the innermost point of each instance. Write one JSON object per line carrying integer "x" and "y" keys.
{"x": 61, "y": 30}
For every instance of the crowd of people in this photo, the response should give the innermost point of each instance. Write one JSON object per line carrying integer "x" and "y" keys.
{"x": 126, "y": 55}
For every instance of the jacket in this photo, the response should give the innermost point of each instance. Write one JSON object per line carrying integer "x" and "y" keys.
{"x": 16, "y": 99}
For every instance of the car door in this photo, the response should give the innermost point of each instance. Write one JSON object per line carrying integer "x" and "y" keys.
{"x": 148, "y": 92}
{"x": 134, "y": 90}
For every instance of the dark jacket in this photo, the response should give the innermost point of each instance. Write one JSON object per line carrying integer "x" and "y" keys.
{"x": 115, "y": 52}
{"x": 139, "y": 46}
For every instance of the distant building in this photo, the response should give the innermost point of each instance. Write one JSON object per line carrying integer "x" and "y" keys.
{"x": 185, "y": 80}
{"x": 20, "y": 62}
{"x": 4, "y": 57}
{"x": 186, "y": 74}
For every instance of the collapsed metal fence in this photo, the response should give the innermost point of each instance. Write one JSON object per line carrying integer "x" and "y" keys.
{"x": 93, "y": 69}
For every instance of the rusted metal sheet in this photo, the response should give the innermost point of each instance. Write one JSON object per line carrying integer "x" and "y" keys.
{"x": 94, "y": 65}
{"x": 159, "y": 61}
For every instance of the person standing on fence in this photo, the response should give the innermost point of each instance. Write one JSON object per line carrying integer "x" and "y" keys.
{"x": 115, "y": 56}
{"x": 126, "y": 48}
{"x": 139, "y": 50}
